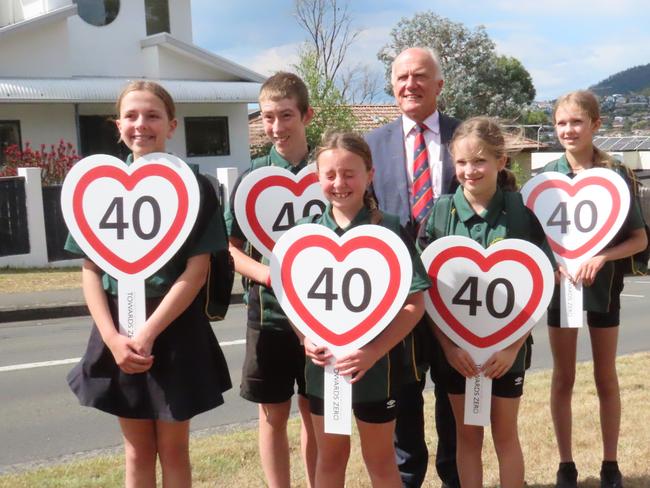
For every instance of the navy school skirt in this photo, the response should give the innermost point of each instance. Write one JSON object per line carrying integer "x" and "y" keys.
{"x": 188, "y": 376}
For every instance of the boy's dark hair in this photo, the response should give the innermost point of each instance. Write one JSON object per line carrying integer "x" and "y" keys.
{"x": 286, "y": 85}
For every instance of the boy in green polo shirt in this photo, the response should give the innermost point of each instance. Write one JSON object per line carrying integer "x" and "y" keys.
{"x": 275, "y": 359}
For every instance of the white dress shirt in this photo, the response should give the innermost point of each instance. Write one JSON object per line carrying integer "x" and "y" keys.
{"x": 432, "y": 140}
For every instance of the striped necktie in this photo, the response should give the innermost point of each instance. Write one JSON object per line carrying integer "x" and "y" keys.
{"x": 422, "y": 189}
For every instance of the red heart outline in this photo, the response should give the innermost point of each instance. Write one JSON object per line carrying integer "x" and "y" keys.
{"x": 340, "y": 253}
{"x": 297, "y": 188}
{"x": 129, "y": 182}
{"x": 485, "y": 264}
{"x": 572, "y": 189}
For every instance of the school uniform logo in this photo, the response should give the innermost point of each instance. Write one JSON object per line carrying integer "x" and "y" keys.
{"x": 269, "y": 201}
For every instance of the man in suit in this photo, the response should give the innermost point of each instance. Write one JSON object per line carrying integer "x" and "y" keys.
{"x": 417, "y": 81}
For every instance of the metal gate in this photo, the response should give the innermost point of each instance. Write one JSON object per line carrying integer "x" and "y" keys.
{"x": 14, "y": 231}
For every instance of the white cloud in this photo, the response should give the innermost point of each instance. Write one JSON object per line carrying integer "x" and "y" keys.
{"x": 267, "y": 61}
{"x": 557, "y": 67}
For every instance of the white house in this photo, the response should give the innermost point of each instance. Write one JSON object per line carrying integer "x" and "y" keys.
{"x": 64, "y": 62}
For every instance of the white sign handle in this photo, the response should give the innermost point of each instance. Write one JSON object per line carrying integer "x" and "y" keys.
{"x": 478, "y": 400}
{"x": 571, "y": 315}
{"x": 131, "y": 305}
{"x": 338, "y": 402}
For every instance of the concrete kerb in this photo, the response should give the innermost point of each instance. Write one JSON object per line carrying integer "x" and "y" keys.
{"x": 55, "y": 311}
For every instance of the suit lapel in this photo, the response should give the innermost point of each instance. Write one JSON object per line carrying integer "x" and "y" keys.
{"x": 448, "y": 173}
{"x": 398, "y": 158}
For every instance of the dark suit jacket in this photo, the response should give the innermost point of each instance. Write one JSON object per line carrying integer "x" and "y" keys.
{"x": 390, "y": 183}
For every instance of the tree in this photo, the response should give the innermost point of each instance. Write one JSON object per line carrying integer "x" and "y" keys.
{"x": 536, "y": 117}
{"x": 477, "y": 80}
{"x": 329, "y": 27}
{"x": 330, "y": 110}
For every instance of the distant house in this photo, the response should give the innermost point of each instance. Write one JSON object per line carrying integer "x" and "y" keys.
{"x": 633, "y": 151}
{"x": 367, "y": 117}
{"x": 63, "y": 63}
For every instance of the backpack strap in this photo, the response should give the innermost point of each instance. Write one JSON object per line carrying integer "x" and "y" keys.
{"x": 217, "y": 290}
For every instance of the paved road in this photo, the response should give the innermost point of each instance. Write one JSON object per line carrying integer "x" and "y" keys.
{"x": 40, "y": 419}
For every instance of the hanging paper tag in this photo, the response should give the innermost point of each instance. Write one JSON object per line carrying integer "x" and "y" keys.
{"x": 131, "y": 305}
{"x": 338, "y": 402}
{"x": 571, "y": 315}
{"x": 478, "y": 399}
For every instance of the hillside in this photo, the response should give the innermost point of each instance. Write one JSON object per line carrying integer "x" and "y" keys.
{"x": 635, "y": 80}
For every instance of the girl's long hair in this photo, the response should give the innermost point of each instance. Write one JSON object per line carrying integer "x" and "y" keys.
{"x": 490, "y": 134}
{"x": 151, "y": 87}
{"x": 354, "y": 143}
{"x": 587, "y": 102}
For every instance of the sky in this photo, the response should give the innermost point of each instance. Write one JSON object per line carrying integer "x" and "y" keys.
{"x": 564, "y": 44}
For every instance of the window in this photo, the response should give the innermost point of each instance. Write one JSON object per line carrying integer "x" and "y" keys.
{"x": 157, "y": 12}
{"x": 9, "y": 135}
{"x": 98, "y": 12}
{"x": 99, "y": 135}
{"x": 207, "y": 136}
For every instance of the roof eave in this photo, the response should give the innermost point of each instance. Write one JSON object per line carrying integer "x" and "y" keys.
{"x": 165, "y": 39}
{"x": 46, "y": 18}
{"x": 106, "y": 90}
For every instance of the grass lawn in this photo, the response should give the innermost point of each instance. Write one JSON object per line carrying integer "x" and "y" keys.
{"x": 230, "y": 459}
{"x": 15, "y": 280}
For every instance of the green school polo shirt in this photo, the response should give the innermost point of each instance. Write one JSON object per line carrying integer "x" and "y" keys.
{"x": 596, "y": 298}
{"x": 378, "y": 383}
{"x": 200, "y": 241}
{"x": 486, "y": 228}
{"x": 264, "y": 311}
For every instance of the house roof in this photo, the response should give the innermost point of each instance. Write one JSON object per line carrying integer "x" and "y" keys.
{"x": 367, "y": 117}
{"x": 102, "y": 90}
{"x": 370, "y": 117}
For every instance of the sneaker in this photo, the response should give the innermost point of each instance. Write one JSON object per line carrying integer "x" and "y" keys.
{"x": 567, "y": 476}
{"x": 610, "y": 475}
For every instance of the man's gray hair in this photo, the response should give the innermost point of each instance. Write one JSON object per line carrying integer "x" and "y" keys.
{"x": 430, "y": 52}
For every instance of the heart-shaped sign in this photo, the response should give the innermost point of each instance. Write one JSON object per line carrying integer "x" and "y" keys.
{"x": 580, "y": 216}
{"x": 270, "y": 200}
{"x": 130, "y": 220}
{"x": 341, "y": 291}
{"x": 486, "y": 299}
